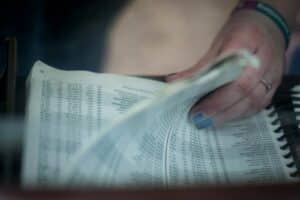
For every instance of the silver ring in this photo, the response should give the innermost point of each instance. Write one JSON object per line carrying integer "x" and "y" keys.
{"x": 268, "y": 86}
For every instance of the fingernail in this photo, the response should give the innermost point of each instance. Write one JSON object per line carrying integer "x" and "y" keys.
{"x": 201, "y": 121}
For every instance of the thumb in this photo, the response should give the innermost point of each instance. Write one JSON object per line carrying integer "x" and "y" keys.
{"x": 188, "y": 72}
{"x": 219, "y": 47}
{"x": 201, "y": 65}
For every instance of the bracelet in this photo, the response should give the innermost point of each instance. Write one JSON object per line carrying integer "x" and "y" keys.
{"x": 268, "y": 11}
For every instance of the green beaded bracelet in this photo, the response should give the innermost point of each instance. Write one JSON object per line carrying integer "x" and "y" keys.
{"x": 270, "y": 12}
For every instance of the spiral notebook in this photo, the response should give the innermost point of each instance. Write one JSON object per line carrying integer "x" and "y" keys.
{"x": 118, "y": 131}
{"x": 286, "y": 104}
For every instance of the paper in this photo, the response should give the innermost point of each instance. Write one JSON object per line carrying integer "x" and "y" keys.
{"x": 66, "y": 109}
{"x": 116, "y": 131}
{"x": 156, "y": 145}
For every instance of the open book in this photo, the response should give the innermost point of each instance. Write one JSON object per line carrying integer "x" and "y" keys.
{"x": 112, "y": 130}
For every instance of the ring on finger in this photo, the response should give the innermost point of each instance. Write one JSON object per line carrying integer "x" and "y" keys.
{"x": 268, "y": 85}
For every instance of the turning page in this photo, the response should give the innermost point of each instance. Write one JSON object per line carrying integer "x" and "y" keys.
{"x": 155, "y": 144}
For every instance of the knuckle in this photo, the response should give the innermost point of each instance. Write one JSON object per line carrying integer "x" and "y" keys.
{"x": 232, "y": 43}
{"x": 244, "y": 86}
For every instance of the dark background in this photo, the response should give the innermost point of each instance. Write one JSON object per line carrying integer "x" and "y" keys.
{"x": 67, "y": 34}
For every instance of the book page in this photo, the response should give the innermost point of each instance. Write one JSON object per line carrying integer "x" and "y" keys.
{"x": 244, "y": 151}
{"x": 66, "y": 108}
{"x": 155, "y": 144}
{"x": 239, "y": 152}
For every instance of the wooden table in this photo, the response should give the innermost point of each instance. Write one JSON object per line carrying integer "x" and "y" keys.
{"x": 274, "y": 192}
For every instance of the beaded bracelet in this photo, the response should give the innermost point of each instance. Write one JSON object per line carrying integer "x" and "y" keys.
{"x": 268, "y": 11}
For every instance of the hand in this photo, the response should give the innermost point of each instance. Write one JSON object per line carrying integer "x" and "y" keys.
{"x": 246, "y": 29}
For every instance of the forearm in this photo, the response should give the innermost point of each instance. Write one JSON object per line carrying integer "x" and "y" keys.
{"x": 288, "y": 9}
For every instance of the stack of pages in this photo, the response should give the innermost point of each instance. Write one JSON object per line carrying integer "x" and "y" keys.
{"x": 112, "y": 130}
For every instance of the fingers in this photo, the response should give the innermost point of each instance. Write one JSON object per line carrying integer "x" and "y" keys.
{"x": 196, "y": 68}
{"x": 257, "y": 100}
{"x": 215, "y": 109}
{"x": 236, "y": 103}
{"x": 245, "y": 96}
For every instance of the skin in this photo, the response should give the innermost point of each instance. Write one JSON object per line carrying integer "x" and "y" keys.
{"x": 251, "y": 30}
{"x": 160, "y": 37}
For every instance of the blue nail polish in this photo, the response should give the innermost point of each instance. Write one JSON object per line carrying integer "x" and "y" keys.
{"x": 202, "y": 121}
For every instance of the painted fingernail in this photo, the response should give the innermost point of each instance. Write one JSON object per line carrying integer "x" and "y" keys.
{"x": 201, "y": 121}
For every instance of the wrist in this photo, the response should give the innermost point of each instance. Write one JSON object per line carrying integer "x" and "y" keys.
{"x": 259, "y": 27}
{"x": 269, "y": 12}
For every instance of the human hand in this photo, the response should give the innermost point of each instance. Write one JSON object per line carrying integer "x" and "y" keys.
{"x": 251, "y": 92}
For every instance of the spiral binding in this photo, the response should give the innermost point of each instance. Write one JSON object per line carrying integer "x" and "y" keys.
{"x": 285, "y": 119}
{"x": 285, "y": 144}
